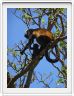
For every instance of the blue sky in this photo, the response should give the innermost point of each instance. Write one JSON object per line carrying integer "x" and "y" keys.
{"x": 15, "y": 33}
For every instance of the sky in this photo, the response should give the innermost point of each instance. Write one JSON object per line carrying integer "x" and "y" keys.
{"x": 15, "y": 33}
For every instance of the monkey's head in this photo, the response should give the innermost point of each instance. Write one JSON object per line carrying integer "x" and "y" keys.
{"x": 28, "y": 33}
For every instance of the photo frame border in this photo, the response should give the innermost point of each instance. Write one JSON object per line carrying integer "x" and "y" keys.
{"x": 53, "y": 91}
{"x": 0, "y": 47}
{"x": 38, "y": 1}
{"x": 36, "y": 95}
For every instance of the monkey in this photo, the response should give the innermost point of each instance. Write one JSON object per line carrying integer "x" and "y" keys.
{"x": 43, "y": 38}
{"x": 36, "y": 50}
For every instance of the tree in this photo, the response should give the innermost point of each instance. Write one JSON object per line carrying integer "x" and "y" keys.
{"x": 54, "y": 20}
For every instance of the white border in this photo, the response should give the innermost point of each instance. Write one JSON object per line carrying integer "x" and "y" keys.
{"x": 69, "y": 38}
{"x": 73, "y": 47}
{"x": 35, "y": 95}
{"x": 37, "y": 0}
{"x": 0, "y": 47}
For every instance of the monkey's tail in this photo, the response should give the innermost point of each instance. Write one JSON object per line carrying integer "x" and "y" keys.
{"x": 57, "y": 55}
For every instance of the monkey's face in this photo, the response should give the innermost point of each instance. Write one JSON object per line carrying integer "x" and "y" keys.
{"x": 28, "y": 33}
{"x": 26, "y": 36}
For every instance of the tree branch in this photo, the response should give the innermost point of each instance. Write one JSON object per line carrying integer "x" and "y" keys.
{"x": 35, "y": 61}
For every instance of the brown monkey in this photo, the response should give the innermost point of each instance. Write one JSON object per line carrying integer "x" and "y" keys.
{"x": 43, "y": 37}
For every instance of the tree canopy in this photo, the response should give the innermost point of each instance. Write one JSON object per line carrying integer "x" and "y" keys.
{"x": 42, "y": 73}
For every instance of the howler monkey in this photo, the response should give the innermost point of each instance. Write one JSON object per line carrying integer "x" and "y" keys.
{"x": 43, "y": 37}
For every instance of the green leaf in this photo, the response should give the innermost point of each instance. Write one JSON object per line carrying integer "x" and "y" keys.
{"x": 14, "y": 66}
{"x": 58, "y": 32}
{"x": 61, "y": 10}
{"x": 9, "y": 49}
{"x": 24, "y": 65}
{"x": 42, "y": 20}
{"x": 26, "y": 16}
{"x": 14, "y": 53}
{"x": 63, "y": 68}
{"x": 61, "y": 80}
{"x": 51, "y": 17}
{"x": 62, "y": 44}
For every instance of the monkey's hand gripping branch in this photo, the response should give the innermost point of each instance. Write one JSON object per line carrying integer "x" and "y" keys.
{"x": 35, "y": 61}
{"x": 27, "y": 46}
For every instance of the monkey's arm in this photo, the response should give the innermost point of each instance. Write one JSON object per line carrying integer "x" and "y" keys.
{"x": 27, "y": 46}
